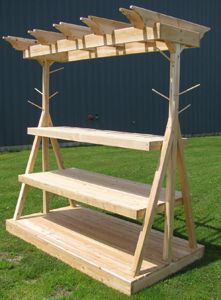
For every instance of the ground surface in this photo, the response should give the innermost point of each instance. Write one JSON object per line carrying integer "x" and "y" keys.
{"x": 27, "y": 273}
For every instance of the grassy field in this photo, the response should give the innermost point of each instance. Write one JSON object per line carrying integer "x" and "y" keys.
{"x": 27, "y": 273}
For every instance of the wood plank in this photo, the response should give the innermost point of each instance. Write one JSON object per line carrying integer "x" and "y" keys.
{"x": 19, "y": 43}
{"x": 92, "y": 243}
{"x": 72, "y": 31}
{"x": 129, "y": 140}
{"x": 107, "y": 26}
{"x": 46, "y": 37}
{"x": 117, "y": 195}
{"x": 151, "y": 17}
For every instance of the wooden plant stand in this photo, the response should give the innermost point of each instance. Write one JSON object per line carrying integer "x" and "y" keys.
{"x": 123, "y": 255}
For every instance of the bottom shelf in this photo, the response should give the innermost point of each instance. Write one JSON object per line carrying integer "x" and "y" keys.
{"x": 102, "y": 246}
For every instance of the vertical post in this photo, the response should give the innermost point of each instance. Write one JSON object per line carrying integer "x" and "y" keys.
{"x": 45, "y": 140}
{"x": 168, "y": 151}
{"x": 171, "y": 170}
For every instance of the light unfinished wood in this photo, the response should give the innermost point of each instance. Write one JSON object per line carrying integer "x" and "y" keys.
{"x": 130, "y": 140}
{"x": 160, "y": 32}
{"x": 107, "y": 26}
{"x": 46, "y": 37}
{"x": 102, "y": 246}
{"x": 29, "y": 169}
{"x": 188, "y": 212}
{"x": 72, "y": 31}
{"x": 19, "y": 43}
{"x": 134, "y": 18}
{"x": 151, "y": 17}
{"x": 167, "y": 148}
{"x": 45, "y": 140}
{"x": 123, "y": 197}
{"x": 171, "y": 171}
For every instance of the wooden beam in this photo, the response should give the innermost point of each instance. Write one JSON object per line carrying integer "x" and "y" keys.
{"x": 94, "y": 27}
{"x": 18, "y": 43}
{"x": 151, "y": 17}
{"x": 72, "y": 31}
{"x": 45, "y": 140}
{"x": 107, "y": 26}
{"x": 134, "y": 18}
{"x": 171, "y": 170}
{"x": 46, "y": 37}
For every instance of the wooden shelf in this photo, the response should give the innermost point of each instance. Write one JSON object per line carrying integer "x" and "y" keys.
{"x": 102, "y": 246}
{"x": 123, "y": 197}
{"x": 128, "y": 140}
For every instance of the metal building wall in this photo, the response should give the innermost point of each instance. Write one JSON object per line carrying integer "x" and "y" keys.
{"x": 118, "y": 90}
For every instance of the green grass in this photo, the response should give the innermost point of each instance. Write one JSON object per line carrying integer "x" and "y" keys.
{"x": 27, "y": 273}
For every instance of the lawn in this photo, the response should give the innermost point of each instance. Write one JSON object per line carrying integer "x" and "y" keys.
{"x": 27, "y": 273}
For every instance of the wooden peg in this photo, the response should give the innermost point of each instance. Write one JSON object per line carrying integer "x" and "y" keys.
{"x": 36, "y": 105}
{"x": 37, "y": 90}
{"x": 190, "y": 89}
{"x": 56, "y": 70}
{"x": 160, "y": 94}
{"x": 185, "y": 108}
{"x": 53, "y": 95}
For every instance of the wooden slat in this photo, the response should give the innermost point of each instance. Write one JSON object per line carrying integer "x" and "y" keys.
{"x": 135, "y": 19}
{"x": 72, "y": 31}
{"x": 151, "y": 17}
{"x": 107, "y": 26}
{"x": 18, "y": 43}
{"x": 92, "y": 242}
{"x": 119, "y": 196}
{"x": 46, "y": 37}
{"x": 102, "y": 137}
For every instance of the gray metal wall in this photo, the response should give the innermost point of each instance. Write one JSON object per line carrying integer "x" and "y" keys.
{"x": 117, "y": 89}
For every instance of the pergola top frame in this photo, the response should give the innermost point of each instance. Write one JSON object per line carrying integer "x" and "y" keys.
{"x": 147, "y": 31}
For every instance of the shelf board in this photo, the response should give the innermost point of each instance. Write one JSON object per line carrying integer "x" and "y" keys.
{"x": 120, "y": 196}
{"x": 128, "y": 140}
{"x": 102, "y": 246}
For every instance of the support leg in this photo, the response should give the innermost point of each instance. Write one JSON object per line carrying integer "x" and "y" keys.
{"x": 45, "y": 167}
{"x": 170, "y": 198}
{"x": 186, "y": 194}
{"x": 167, "y": 151}
{"x": 29, "y": 169}
{"x": 60, "y": 163}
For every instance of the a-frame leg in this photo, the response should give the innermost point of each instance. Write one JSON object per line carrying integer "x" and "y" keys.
{"x": 29, "y": 169}
{"x": 168, "y": 151}
{"x": 185, "y": 193}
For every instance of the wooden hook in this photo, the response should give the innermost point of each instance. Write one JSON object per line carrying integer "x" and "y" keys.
{"x": 38, "y": 91}
{"x": 36, "y": 105}
{"x": 160, "y": 94}
{"x": 56, "y": 70}
{"x": 185, "y": 108}
{"x": 190, "y": 89}
{"x": 53, "y": 95}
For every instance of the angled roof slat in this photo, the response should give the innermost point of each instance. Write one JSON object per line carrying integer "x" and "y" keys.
{"x": 72, "y": 31}
{"x": 46, "y": 37}
{"x": 19, "y": 43}
{"x": 134, "y": 18}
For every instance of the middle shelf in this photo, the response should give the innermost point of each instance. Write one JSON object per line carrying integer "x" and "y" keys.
{"x": 138, "y": 141}
{"x": 120, "y": 196}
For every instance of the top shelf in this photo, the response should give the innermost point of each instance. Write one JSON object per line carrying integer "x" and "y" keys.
{"x": 128, "y": 140}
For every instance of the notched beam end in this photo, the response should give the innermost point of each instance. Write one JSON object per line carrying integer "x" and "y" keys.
{"x": 18, "y": 43}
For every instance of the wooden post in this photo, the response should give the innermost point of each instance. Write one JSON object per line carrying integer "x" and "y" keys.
{"x": 29, "y": 169}
{"x": 171, "y": 171}
{"x": 188, "y": 213}
{"x": 167, "y": 151}
{"x": 45, "y": 141}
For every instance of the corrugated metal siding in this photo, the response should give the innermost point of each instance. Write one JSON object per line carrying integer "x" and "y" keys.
{"x": 117, "y": 89}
